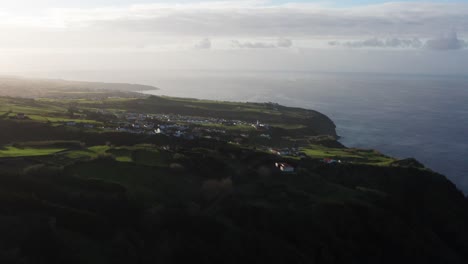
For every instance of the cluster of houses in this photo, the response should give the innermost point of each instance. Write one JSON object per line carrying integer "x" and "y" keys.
{"x": 132, "y": 117}
{"x": 287, "y": 168}
{"x": 284, "y": 167}
{"x": 188, "y": 127}
{"x": 168, "y": 129}
{"x": 260, "y": 126}
{"x": 295, "y": 152}
{"x": 330, "y": 161}
{"x": 21, "y": 116}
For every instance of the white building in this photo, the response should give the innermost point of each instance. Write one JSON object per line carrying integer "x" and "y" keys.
{"x": 284, "y": 167}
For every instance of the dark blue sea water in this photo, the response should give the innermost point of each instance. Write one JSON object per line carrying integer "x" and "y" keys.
{"x": 419, "y": 116}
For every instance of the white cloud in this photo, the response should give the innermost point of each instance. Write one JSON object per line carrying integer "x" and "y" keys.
{"x": 252, "y": 45}
{"x": 280, "y": 43}
{"x": 176, "y": 26}
{"x": 284, "y": 43}
{"x": 252, "y": 18}
{"x": 203, "y": 44}
{"x": 444, "y": 42}
{"x": 146, "y": 36}
{"x": 379, "y": 43}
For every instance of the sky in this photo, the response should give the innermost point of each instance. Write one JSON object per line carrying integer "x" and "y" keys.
{"x": 429, "y": 37}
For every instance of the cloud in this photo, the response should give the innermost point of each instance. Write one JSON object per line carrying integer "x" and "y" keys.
{"x": 203, "y": 44}
{"x": 178, "y": 26}
{"x": 284, "y": 43}
{"x": 280, "y": 43}
{"x": 252, "y": 18}
{"x": 447, "y": 42}
{"x": 380, "y": 43}
{"x": 252, "y": 45}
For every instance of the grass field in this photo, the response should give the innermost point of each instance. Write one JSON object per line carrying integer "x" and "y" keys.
{"x": 357, "y": 155}
{"x": 37, "y": 110}
{"x": 139, "y": 154}
{"x": 244, "y": 128}
{"x": 288, "y": 126}
{"x": 121, "y": 154}
{"x": 10, "y": 152}
{"x": 44, "y": 118}
{"x": 87, "y": 153}
{"x": 28, "y": 106}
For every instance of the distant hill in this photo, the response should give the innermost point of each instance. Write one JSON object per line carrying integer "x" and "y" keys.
{"x": 33, "y": 88}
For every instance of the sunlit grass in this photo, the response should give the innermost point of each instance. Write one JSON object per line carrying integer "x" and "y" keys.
{"x": 288, "y": 126}
{"x": 88, "y": 153}
{"x": 226, "y": 127}
{"x": 356, "y": 155}
{"x": 99, "y": 149}
{"x": 43, "y": 118}
{"x": 10, "y": 152}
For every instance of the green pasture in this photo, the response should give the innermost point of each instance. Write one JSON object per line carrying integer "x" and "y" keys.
{"x": 10, "y": 152}
{"x": 356, "y": 155}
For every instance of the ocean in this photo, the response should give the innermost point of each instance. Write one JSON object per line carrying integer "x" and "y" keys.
{"x": 420, "y": 116}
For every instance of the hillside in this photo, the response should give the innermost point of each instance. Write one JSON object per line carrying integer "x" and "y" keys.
{"x": 174, "y": 180}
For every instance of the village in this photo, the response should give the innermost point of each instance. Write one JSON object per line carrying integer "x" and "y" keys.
{"x": 192, "y": 127}
{"x": 257, "y": 134}
{"x": 186, "y": 127}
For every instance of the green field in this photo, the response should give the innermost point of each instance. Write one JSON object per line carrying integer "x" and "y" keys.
{"x": 139, "y": 154}
{"x": 87, "y": 153}
{"x": 10, "y": 152}
{"x": 121, "y": 154}
{"x": 356, "y": 155}
{"x": 244, "y": 128}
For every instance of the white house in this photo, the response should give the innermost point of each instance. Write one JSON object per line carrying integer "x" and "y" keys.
{"x": 284, "y": 167}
